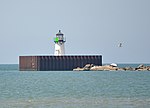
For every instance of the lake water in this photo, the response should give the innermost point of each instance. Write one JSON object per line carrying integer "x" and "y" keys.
{"x": 87, "y": 89}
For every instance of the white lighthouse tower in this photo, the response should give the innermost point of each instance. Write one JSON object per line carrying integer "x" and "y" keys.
{"x": 59, "y": 44}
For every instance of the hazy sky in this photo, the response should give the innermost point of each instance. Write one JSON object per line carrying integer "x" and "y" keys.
{"x": 27, "y": 27}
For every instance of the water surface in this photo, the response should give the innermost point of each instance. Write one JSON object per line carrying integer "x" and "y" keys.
{"x": 88, "y": 89}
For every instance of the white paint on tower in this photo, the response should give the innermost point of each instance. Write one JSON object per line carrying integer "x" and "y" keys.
{"x": 59, "y": 44}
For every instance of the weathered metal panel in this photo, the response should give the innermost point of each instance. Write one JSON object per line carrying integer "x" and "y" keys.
{"x": 28, "y": 63}
{"x": 53, "y": 62}
{"x": 34, "y": 63}
{"x": 62, "y": 63}
{"x": 68, "y": 64}
{"x": 49, "y": 63}
{"x": 46, "y": 63}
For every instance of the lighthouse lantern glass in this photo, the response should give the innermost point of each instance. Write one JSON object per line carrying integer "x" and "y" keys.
{"x": 56, "y": 39}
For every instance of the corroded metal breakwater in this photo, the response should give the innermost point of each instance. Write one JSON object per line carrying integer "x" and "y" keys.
{"x": 57, "y": 63}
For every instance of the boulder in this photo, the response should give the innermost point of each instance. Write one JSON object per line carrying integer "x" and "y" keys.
{"x": 97, "y": 68}
{"x": 78, "y": 69}
{"x": 113, "y": 64}
{"x": 129, "y": 69}
{"x": 121, "y": 69}
{"x": 87, "y": 67}
{"x": 103, "y": 68}
{"x": 141, "y": 66}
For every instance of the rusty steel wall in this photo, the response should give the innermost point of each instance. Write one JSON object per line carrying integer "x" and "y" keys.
{"x": 57, "y": 63}
{"x": 28, "y": 63}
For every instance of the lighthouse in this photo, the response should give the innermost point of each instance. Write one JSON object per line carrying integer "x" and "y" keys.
{"x": 59, "y": 61}
{"x": 59, "y": 44}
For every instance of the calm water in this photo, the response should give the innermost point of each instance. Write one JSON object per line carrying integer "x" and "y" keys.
{"x": 101, "y": 89}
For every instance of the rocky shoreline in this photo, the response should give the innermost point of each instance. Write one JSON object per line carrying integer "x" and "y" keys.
{"x": 91, "y": 67}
